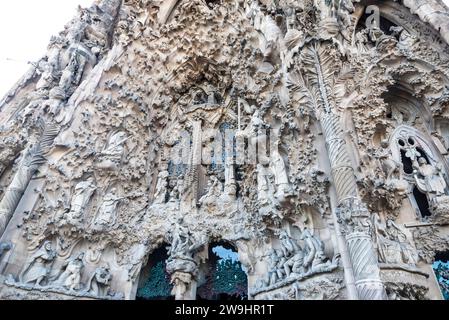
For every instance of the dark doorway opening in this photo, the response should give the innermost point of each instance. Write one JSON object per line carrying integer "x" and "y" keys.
{"x": 441, "y": 269}
{"x": 154, "y": 282}
{"x": 224, "y": 276}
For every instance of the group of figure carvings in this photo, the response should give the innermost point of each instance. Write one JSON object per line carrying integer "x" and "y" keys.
{"x": 39, "y": 273}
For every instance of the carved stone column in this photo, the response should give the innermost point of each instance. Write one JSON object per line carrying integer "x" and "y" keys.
{"x": 353, "y": 216}
{"x": 33, "y": 158}
{"x": 27, "y": 168}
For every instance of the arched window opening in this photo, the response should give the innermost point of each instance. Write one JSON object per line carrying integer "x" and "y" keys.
{"x": 154, "y": 282}
{"x": 223, "y": 276}
{"x": 212, "y": 3}
{"x": 406, "y": 162}
{"x": 441, "y": 269}
{"x": 385, "y": 24}
{"x": 422, "y": 202}
{"x": 423, "y": 154}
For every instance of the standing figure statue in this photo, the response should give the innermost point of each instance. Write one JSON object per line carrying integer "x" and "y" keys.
{"x": 180, "y": 240}
{"x": 314, "y": 248}
{"x": 70, "y": 278}
{"x": 107, "y": 214}
{"x": 429, "y": 178}
{"x": 263, "y": 185}
{"x": 289, "y": 247}
{"x": 83, "y": 193}
{"x": 215, "y": 190}
{"x": 160, "y": 196}
{"x": 392, "y": 244}
{"x": 38, "y": 268}
{"x": 112, "y": 154}
{"x": 280, "y": 173}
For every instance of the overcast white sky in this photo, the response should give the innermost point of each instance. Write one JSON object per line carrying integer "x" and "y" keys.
{"x": 25, "y": 30}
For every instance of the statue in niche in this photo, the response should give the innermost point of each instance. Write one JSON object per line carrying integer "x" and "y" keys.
{"x": 83, "y": 193}
{"x": 107, "y": 213}
{"x": 230, "y": 182}
{"x": 280, "y": 173}
{"x": 429, "y": 178}
{"x": 392, "y": 244}
{"x": 263, "y": 183}
{"x": 38, "y": 268}
{"x": 100, "y": 281}
{"x": 215, "y": 190}
{"x": 111, "y": 156}
{"x": 160, "y": 196}
{"x": 70, "y": 278}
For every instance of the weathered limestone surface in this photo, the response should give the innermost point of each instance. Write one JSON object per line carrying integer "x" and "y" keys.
{"x": 310, "y": 135}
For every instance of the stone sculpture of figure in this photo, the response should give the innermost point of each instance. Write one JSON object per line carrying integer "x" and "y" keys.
{"x": 263, "y": 184}
{"x": 38, "y": 268}
{"x": 280, "y": 173}
{"x": 362, "y": 41}
{"x": 100, "y": 281}
{"x": 215, "y": 190}
{"x": 272, "y": 268}
{"x": 295, "y": 265}
{"x": 83, "y": 193}
{"x": 389, "y": 166}
{"x": 268, "y": 27}
{"x": 288, "y": 245}
{"x": 211, "y": 95}
{"x": 161, "y": 188}
{"x": 180, "y": 239}
{"x": 112, "y": 154}
{"x": 314, "y": 249}
{"x": 137, "y": 256}
{"x": 392, "y": 244}
{"x": 429, "y": 179}
{"x": 70, "y": 278}
{"x": 107, "y": 213}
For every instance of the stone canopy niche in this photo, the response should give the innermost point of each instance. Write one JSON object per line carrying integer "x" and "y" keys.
{"x": 297, "y": 149}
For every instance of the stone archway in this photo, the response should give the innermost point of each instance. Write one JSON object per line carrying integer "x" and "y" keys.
{"x": 222, "y": 277}
{"x": 154, "y": 282}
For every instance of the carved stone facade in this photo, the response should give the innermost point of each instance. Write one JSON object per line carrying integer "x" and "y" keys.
{"x": 312, "y": 136}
